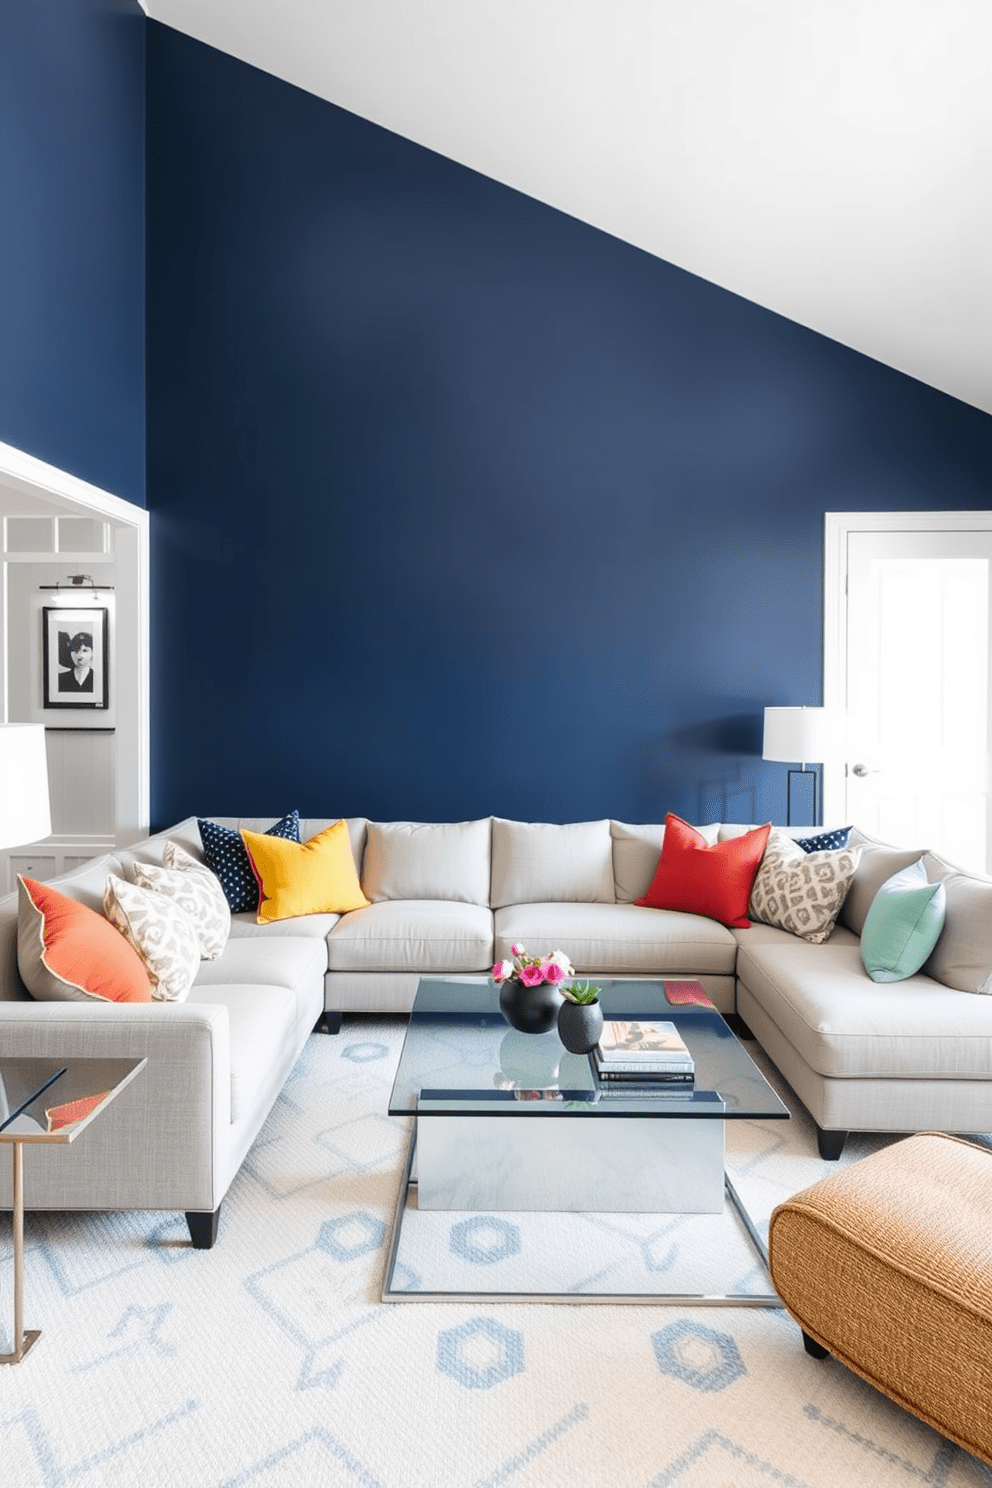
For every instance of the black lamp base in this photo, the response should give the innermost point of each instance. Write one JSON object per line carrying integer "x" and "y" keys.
{"x": 810, "y": 775}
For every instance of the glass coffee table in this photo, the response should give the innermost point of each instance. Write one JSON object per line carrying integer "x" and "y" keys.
{"x": 508, "y": 1123}
{"x": 45, "y": 1101}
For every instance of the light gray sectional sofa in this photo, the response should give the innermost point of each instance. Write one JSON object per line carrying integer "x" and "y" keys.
{"x": 450, "y": 899}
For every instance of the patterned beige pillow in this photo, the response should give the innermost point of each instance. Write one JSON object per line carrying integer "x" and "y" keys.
{"x": 163, "y": 935}
{"x": 801, "y": 892}
{"x": 196, "y": 890}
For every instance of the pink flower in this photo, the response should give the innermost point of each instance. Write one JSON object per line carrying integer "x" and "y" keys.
{"x": 551, "y": 971}
{"x": 502, "y": 970}
{"x": 532, "y": 976}
{"x": 516, "y": 950}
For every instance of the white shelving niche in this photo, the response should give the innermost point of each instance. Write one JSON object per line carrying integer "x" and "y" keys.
{"x": 55, "y": 526}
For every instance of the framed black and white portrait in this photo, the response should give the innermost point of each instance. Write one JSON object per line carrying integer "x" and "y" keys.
{"x": 74, "y": 648}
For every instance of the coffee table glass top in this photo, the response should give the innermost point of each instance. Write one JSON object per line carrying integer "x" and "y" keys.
{"x": 460, "y": 1056}
{"x": 53, "y": 1100}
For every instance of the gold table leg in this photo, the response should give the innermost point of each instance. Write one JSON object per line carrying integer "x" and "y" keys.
{"x": 22, "y": 1340}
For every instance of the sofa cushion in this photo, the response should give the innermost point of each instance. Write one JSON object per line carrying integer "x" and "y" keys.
{"x": 305, "y": 927}
{"x": 413, "y": 935}
{"x": 962, "y": 957}
{"x": 224, "y": 853}
{"x": 86, "y": 883}
{"x": 699, "y": 878}
{"x": 799, "y": 891}
{"x": 196, "y": 890}
{"x": 304, "y": 878}
{"x": 902, "y": 925}
{"x": 184, "y": 834}
{"x": 878, "y": 862}
{"x": 261, "y": 1020}
{"x": 270, "y": 961}
{"x": 619, "y": 939}
{"x": 428, "y": 860}
{"x": 67, "y": 952}
{"x": 161, "y": 932}
{"x": 846, "y": 1026}
{"x": 540, "y": 862}
{"x": 636, "y": 850}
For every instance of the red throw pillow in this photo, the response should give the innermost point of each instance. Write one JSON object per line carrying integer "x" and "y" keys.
{"x": 699, "y": 879}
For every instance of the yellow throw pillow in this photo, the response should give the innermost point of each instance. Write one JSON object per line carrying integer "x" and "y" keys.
{"x": 298, "y": 878}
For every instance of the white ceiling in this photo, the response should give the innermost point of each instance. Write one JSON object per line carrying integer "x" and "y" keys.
{"x": 829, "y": 159}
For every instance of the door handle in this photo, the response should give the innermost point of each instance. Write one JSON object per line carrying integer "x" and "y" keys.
{"x": 862, "y": 770}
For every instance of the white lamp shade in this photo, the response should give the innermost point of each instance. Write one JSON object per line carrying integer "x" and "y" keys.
{"x": 802, "y": 735}
{"x": 25, "y": 812}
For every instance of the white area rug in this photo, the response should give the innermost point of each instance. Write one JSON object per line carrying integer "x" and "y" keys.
{"x": 270, "y": 1362}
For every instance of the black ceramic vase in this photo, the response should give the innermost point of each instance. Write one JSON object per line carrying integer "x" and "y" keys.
{"x": 530, "y": 1009}
{"x": 579, "y": 1026}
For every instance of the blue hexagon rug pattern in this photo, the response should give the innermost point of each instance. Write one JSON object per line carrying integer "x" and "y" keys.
{"x": 271, "y": 1362}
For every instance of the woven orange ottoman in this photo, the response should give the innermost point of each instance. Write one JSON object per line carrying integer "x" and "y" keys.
{"x": 887, "y": 1265}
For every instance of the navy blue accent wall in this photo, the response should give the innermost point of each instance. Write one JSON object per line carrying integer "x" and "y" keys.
{"x": 460, "y": 506}
{"x": 72, "y": 254}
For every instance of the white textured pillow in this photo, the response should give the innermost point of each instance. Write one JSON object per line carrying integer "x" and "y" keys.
{"x": 427, "y": 860}
{"x": 799, "y": 891}
{"x": 541, "y": 863}
{"x": 196, "y": 890}
{"x": 163, "y": 935}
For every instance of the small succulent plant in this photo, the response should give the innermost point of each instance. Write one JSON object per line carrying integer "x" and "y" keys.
{"x": 581, "y": 992}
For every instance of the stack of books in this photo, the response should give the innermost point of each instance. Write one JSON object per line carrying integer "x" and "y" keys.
{"x": 643, "y": 1052}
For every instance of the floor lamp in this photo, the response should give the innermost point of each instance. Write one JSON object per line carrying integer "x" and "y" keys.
{"x": 793, "y": 734}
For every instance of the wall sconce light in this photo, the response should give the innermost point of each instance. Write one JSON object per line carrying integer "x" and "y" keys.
{"x": 78, "y": 587}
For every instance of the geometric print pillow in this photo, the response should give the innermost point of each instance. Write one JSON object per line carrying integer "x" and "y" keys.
{"x": 196, "y": 890}
{"x": 225, "y": 855}
{"x": 801, "y": 892}
{"x": 163, "y": 935}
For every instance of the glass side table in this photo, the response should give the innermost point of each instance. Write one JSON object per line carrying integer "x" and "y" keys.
{"x": 46, "y": 1101}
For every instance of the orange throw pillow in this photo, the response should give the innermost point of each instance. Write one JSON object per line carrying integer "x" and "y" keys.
{"x": 66, "y": 952}
{"x": 697, "y": 878}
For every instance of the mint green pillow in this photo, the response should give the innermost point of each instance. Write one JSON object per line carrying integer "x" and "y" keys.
{"x": 902, "y": 925}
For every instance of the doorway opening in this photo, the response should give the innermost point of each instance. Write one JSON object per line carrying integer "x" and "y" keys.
{"x": 907, "y": 657}
{"x": 66, "y": 543}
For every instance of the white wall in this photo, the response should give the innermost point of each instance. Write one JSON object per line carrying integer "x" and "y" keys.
{"x": 828, "y": 159}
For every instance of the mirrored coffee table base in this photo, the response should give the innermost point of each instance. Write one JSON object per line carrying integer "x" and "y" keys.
{"x": 406, "y": 1279}
{"x": 524, "y": 1169}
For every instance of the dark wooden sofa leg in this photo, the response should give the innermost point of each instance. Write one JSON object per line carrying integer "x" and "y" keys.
{"x": 830, "y": 1143}
{"x": 814, "y": 1349}
{"x": 329, "y": 1022}
{"x": 203, "y": 1227}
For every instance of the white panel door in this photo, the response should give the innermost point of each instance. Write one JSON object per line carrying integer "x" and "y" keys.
{"x": 918, "y": 690}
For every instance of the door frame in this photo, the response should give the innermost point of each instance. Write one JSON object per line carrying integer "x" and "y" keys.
{"x": 24, "y": 472}
{"x": 837, "y": 527}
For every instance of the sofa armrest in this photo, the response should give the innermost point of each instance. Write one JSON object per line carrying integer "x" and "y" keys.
{"x": 163, "y": 1143}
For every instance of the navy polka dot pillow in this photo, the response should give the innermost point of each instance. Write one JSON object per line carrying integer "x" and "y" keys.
{"x": 826, "y": 842}
{"x": 225, "y": 853}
